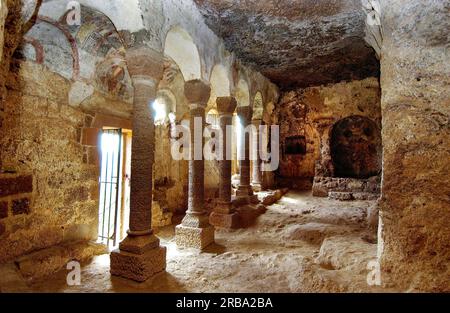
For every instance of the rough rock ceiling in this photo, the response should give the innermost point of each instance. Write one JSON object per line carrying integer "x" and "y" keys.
{"x": 295, "y": 43}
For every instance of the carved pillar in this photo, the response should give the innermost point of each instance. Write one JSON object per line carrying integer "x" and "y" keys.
{"x": 195, "y": 230}
{"x": 325, "y": 166}
{"x": 139, "y": 255}
{"x": 256, "y": 160}
{"x": 224, "y": 215}
{"x": 234, "y": 162}
{"x": 268, "y": 177}
{"x": 245, "y": 189}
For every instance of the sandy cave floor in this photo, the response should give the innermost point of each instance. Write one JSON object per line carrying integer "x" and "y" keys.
{"x": 280, "y": 253}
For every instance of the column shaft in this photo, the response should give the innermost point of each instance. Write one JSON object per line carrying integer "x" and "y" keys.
{"x": 245, "y": 162}
{"x": 244, "y": 190}
{"x": 196, "y": 198}
{"x": 142, "y": 158}
{"x": 225, "y": 164}
{"x": 256, "y": 173}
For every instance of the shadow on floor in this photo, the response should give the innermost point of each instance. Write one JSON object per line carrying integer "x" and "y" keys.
{"x": 162, "y": 282}
{"x": 215, "y": 248}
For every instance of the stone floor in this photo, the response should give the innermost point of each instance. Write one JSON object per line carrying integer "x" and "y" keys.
{"x": 301, "y": 244}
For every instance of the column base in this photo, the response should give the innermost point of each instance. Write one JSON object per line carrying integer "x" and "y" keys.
{"x": 138, "y": 258}
{"x": 257, "y": 187}
{"x": 194, "y": 232}
{"x": 230, "y": 221}
{"x": 250, "y": 213}
{"x": 194, "y": 237}
{"x": 244, "y": 191}
{"x": 243, "y": 200}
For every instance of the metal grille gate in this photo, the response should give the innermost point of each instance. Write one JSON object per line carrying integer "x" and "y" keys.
{"x": 110, "y": 186}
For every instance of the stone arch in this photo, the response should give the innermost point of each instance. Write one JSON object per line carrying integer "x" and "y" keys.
{"x": 220, "y": 84}
{"x": 356, "y": 149}
{"x": 180, "y": 47}
{"x": 242, "y": 93}
{"x": 173, "y": 81}
{"x": 167, "y": 97}
{"x": 97, "y": 34}
{"x": 102, "y": 54}
{"x": 165, "y": 103}
{"x": 212, "y": 117}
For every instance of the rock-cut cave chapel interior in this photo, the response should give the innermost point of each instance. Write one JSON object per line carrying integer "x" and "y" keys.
{"x": 328, "y": 123}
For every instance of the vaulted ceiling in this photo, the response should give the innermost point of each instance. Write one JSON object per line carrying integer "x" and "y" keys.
{"x": 295, "y": 43}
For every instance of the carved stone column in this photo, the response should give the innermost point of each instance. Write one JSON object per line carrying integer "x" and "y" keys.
{"x": 256, "y": 160}
{"x": 139, "y": 255}
{"x": 245, "y": 189}
{"x": 195, "y": 230}
{"x": 224, "y": 215}
{"x": 325, "y": 168}
{"x": 268, "y": 177}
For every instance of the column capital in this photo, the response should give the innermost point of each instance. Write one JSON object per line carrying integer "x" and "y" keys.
{"x": 226, "y": 105}
{"x": 145, "y": 64}
{"x": 197, "y": 92}
{"x": 245, "y": 113}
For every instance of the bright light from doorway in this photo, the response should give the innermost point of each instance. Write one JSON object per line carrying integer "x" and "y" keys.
{"x": 160, "y": 111}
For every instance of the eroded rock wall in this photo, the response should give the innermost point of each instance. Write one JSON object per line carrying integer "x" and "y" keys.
{"x": 41, "y": 138}
{"x": 415, "y": 206}
{"x": 306, "y": 117}
{"x": 3, "y": 15}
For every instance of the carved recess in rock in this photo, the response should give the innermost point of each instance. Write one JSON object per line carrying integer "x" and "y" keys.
{"x": 295, "y": 42}
{"x": 356, "y": 147}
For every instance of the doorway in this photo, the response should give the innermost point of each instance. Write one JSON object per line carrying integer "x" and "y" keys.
{"x": 113, "y": 186}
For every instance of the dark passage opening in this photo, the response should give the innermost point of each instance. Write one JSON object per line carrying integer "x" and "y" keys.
{"x": 295, "y": 145}
{"x": 356, "y": 147}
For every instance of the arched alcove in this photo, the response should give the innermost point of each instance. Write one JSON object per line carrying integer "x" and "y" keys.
{"x": 212, "y": 117}
{"x": 164, "y": 104}
{"x": 102, "y": 54}
{"x": 220, "y": 84}
{"x": 356, "y": 147}
{"x": 181, "y": 48}
{"x": 242, "y": 93}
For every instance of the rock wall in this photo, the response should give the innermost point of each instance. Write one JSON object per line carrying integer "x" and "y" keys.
{"x": 307, "y": 117}
{"x": 42, "y": 142}
{"x": 347, "y": 188}
{"x": 3, "y": 15}
{"x": 414, "y": 248}
{"x": 15, "y": 20}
